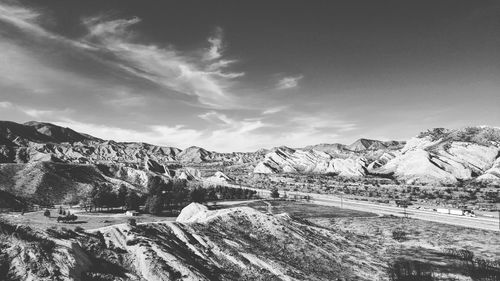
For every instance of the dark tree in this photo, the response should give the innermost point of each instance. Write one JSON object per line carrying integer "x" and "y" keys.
{"x": 103, "y": 196}
{"x": 154, "y": 204}
{"x": 122, "y": 196}
{"x": 198, "y": 195}
{"x": 132, "y": 200}
{"x": 275, "y": 193}
{"x": 212, "y": 195}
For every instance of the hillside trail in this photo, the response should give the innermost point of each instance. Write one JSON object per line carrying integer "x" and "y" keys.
{"x": 269, "y": 207}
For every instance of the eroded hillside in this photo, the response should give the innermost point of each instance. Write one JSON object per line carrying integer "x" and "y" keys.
{"x": 231, "y": 244}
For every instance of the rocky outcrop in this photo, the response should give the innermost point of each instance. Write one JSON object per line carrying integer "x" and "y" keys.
{"x": 287, "y": 160}
{"x": 331, "y": 149}
{"x": 446, "y": 157}
{"x": 218, "y": 178}
{"x": 492, "y": 174}
{"x": 194, "y": 154}
{"x": 438, "y": 156}
{"x": 233, "y": 244}
{"x": 368, "y": 144}
{"x": 192, "y": 213}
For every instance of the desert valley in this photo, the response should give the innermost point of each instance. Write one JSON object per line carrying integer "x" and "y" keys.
{"x": 250, "y": 140}
{"x": 261, "y": 215}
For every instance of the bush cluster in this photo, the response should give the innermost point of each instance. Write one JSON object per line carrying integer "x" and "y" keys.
{"x": 399, "y": 235}
{"x": 409, "y": 270}
{"x": 67, "y": 218}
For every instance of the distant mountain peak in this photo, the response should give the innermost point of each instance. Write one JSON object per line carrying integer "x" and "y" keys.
{"x": 364, "y": 144}
{"x": 58, "y": 133}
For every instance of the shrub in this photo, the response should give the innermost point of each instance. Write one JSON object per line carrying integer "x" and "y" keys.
{"x": 6, "y": 227}
{"x": 47, "y": 245}
{"x": 404, "y": 270}
{"x": 466, "y": 255}
{"x": 4, "y": 266}
{"x": 67, "y": 218}
{"x": 275, "y": 193}
{"x": 62, "y": 233}
{"x": 79, "y": 229}
{"x": 132, "y": 222}
{"x": 461, "y": 254}
{"x": 100, "y": 236}
{"x": 132, "y": 242}
{"x": 399, "y": 235}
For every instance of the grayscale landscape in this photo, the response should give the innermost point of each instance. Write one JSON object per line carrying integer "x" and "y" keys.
{"x": 238, "y": 140}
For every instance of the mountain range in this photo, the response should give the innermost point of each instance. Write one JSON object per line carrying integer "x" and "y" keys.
{"x": 53, "y": 163}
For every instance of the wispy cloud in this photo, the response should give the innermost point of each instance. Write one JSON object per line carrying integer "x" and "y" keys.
{"x": 273, "y": 110}
{"x": 5, "y": 104}
{"x": 108, "y": 29}
{"x": 35, "y": 112}
{"x": 28, "y": 20}
{"x": 167, "y": 67}
{"x": 124, "y": 98}
{"x": 112, "y": 41}
{"x": 231, "y": 137}
{"x": 215, "y": 117}
{"x": 160, "y": 135}
{"x": 216, "y": 45}
{"x": 288, "y": 82}
{"x": 321, "y": 124}
{"x": 230, "y": 124}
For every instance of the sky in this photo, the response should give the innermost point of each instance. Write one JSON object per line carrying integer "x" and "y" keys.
{"x": 233, "y": 75}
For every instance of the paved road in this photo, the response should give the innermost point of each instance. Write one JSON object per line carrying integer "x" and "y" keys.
{"x": 330, "y": 200}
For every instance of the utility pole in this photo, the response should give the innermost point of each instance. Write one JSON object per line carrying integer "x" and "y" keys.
{"x": 341, "y": 199}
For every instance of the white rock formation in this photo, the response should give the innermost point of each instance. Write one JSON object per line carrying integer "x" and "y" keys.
{"x": 218, "y": 178}
{"x": 492, "y": 174}
{"x": 289, "y": 160}
{"x": 424, "y": 160}
{"x": 192, "y": 213}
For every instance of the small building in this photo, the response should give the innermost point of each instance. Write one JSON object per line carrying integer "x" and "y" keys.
{"x": 132, "y": 213}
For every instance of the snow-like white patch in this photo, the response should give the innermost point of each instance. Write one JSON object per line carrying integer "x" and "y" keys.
{"x": 218, "y": 178}
{"x": 192, "y": 213}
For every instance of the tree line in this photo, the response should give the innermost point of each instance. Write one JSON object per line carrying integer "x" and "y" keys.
{"x": 162, "y": 194}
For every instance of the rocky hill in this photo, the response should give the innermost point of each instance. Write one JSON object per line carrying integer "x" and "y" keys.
{"x": 344, "y": 160}
{"x": 54, "y": 164}
{"x": 289, "y": 160}
{"x": 230, "y": 244}
{"x": 447, "y": 156}
{"x": 438, "y": 156}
